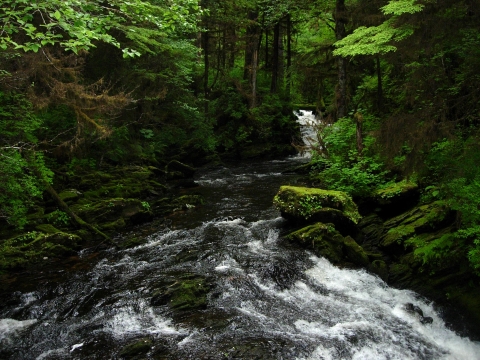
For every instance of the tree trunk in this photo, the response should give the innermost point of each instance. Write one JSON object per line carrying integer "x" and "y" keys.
{"x": 255, "y": 34}
{"x": 289, "y": 55}
{"x": 250, "y": 44}
{"x": 379, "y": 86}
{"x": 275, "y": 59}
{"x": 62, "y": 205}
{"x": 253, "y": 103}
{"x": 341, "y": 91}
{"x": 359, "y": 121}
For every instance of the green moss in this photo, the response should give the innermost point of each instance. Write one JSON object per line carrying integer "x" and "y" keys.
{"x": 407, "y": 228}
{"x": 69, "y": 195}
{"x": 32, "y": 247}
{"x": 380, "y": 268}
{"x": 397, "y": 235}
{"x": 138, "y": 347}
{"x": 184, "y": 294}
{"x": 396, "y": 189}
{"x": 323, "y": 239}
{"x": 306, "y": 202}
{"x": 355, "y": 253}
{"x": 47, "y": 228}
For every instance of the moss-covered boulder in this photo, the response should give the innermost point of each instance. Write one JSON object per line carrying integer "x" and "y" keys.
{"x": 183, "y": 295}
{"x": 177, "y": 170}
{"x": 305, "y": 205}
{"x": 110, "y": 211}
{"x": 371, "y": 232}
{"x": 70, "y": 195}
{"x": 36, "y": 246}
{"x": 137, "y": 348}
{"x": 419, "y": 220}
{"x": 393, "y": 199}
{"x": 355, "y": 253}
{"x": 325, "y": 241}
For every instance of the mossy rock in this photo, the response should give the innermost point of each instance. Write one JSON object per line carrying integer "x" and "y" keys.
{"x": 183, "y": 295}
{"x": 323, "y": 239}
{"x": 380, "y": 268}
{"x": 396, "y": 192}
{"x": 371, "y": 231}
{"x": 397, "y": 235}
{"x": 114, "y": 226}
{"x": 305, "y": 205}
{"x": 188, "y": 201}
{"x": 136, "y": 348}
{"x": 395, "y": 198}
{"x": 420, "y": 220}
{"x": 132, "y": 242}
{"x": 32, "y": 247}
{"x": 355, "y": 253}
{"x": 70, "y": 196}
{"x": 110, "y": 210}
{"x": 177, "y": 170}
{"x": 47, "y": 229}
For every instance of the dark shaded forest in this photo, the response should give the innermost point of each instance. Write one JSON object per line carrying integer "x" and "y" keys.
{"x": 95, "y": 92}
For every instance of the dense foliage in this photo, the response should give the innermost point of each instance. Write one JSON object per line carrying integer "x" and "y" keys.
{"x": 87, "y": 83}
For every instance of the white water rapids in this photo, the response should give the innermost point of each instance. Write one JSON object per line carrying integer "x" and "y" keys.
{"x": 268, "y": 299}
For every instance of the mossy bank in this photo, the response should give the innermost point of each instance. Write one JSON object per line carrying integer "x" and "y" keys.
{"x": 408, "y": 243}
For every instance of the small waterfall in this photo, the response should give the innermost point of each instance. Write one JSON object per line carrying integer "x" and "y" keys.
{"x": 309, "y": 130}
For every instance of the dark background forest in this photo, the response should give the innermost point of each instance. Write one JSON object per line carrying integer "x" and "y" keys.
{"x": 90, "y": 85}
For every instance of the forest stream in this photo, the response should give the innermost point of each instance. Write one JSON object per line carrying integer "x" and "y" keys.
{"x": 253, "y": 295}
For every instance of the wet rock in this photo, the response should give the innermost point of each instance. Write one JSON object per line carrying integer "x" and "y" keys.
{"x": 183, "y": 295}
{"x": 32, "y": 247}
{"x": 395, "y": 199}
{"x": 355, "y": 253}
{"x": 371, "y": 231}
{"x": 413, "y": 309}
{"x": 305, "y": 205}
{"x": 70, "y": 196}
{"x": 416, "y": 311}
{"x": 177, "y": 170}
{"x": 426, "y": 320}
{"x": 419, "y": 220}
{"x": 110, "y": 210}
{"x": 134, "y": 349}
{"x": 380, "y": 268}
{"x": 323, "y": 239}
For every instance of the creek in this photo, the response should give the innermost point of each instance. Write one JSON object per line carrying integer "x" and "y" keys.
{"x": 266, "y": 298}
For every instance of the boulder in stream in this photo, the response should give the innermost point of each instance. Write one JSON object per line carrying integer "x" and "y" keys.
{"x": 325, "y": 241}
{"x": 307, "y": 205}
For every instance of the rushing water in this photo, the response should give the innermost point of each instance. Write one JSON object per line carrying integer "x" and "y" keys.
{"x": 268, "y": 299}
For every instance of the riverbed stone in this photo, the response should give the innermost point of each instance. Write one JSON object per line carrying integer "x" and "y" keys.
{"x": 183, "y": 294}
{"x": 110, "y": 210}
{"x": 178, "y": 170}
{"x": 32, "y": 247}
{"x": 421, "y": 219}
{"x": 323, "y": 239}
{"x": 136, "y": 348}
{"x": 70, "y": 195}
{"x": 355, "y": 253}
{"x": 306, "y": 205}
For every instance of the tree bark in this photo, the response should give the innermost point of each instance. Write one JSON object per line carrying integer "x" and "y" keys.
{"x": 289, "y": 55}
{"x": 275, "y": 59}
{"x": 379, "y": 86}
{"x": 341, "y": 91}
{"x": 359, "y": 121}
